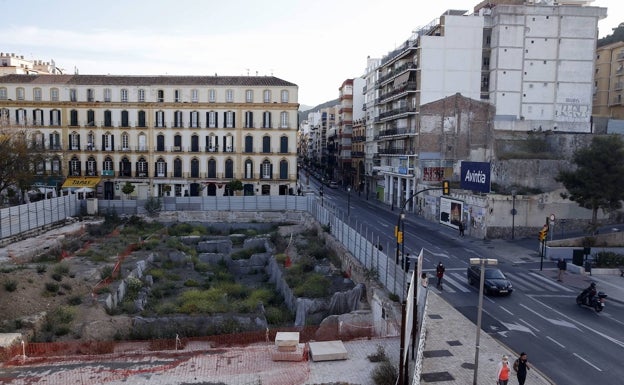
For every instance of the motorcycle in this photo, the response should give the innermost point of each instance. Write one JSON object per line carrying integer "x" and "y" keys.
{"x": 597, "y": 302}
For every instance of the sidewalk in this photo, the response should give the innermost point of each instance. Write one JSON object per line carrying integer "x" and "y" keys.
{"x": 450, "y": 350}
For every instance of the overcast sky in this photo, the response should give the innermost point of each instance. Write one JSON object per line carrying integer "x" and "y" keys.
{"x": 316, "y": 44}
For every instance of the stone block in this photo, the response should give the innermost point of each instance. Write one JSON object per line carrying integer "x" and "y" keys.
{"x": 327, "y": 351}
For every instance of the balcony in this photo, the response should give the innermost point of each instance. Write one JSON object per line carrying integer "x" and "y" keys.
{"x": 408, "y": 87}
{"x": 395, "y": 113}
{"x": 395, "y": 151}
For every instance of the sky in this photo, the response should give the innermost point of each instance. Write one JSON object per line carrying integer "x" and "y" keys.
{"x": 316, "y": 44}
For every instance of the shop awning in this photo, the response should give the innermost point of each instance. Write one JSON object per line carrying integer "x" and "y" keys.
{"x": 80, "y": 182}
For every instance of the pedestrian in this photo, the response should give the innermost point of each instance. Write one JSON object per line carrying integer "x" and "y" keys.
{"x": 424, "y": 281}
{"x": 503, "y": 372}
{"x": 562, "y": 266}
{"x": 521, "y": 366}
{"x": 461, "y": 229}
{"x": 440, "y": 274}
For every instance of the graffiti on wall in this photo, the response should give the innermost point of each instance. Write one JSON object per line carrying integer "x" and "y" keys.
{"x": 572, "y": 110}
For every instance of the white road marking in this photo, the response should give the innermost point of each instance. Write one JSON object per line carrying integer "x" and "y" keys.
{"x": 552, "y": 321}
{"x": 502, "y": 307}
{"x": 587, "y": 362}
{"x": 529, "y": 325}
{"x": 455, "y": 283}
{"x": 549, "y": 282}
{"x": 555, "y": 341}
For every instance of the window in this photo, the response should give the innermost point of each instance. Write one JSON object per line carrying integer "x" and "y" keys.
{"x": 194, "y": 168}
{"x": 20, "y": 93}
{"x": 107, "y": 95}
{"x": 3, "y": 93}
{"x": 108, "y": 165}
{"x": 194, "y": 95}
{"x": 55, "y": 141}
{"x": 212, "y": 119}
{"x": 284, "y": 145}
{"x": 141, "y": 167}
{"x": 141, "y": 122}
{"x": 177, "y": 143}
{"x": 266, "y": 96}
{"x": 108, "y": 142}
{"x": 284, "y": 96}
{"x": 91, "y": 167}
{"x": 177, "y": 119}
{"x": 125, "y": 141}
{"x": 124, "y": 95}
{"x": 40, "y": 168}
{"x": 212, "y": 143}
{"x": 229, "y": 168}
{"x": 125, "y": 121}
{"x": 161, "y": 96}
{"x": 177, "y": 96}
{"x": 266, "y": 170}
{"x": 90, "y": 118}
{"x": 229, "y": 119}
{"x": 229, "y": 95}
{"x": 56, "y": 166}
{"x": 228, "y": 143}
{"x": 212, "y": 168}
{"x": 90, "y": 95}
{"x": 55, "y": 117}
{"x": 249, "y": 96}
{"x": 37, "y": 140}
{"x": 38, "y": 117}
{"x": 160, "y": 119}
{"x": 54, "y": 94}
{"x": 266, "y": 144}
{"x": 74, "y": 166}
{"x": 194, "y": 119}
{"x": 194, "y": 143}
{"x": 284, "y": 120}
{"x": 73, "y": 118}
{"x": 249, "y": 144}
{"x": 142, "y": 142}
{"x": 249, "y": 119}
{"x": 266, "y": 119}
{"x": 37, "y": 94}
{"x": 161, "y": 168}
{"x": 160, "y": 142}
{"x": 283, "y": 169}
{"x": 125, "y": 167}
{"x": 73, "y": 95}
{"x": 141, "y": 95}
{"x": 177, "y": 168}
{"x": 212, "y": 95}
{"x": 90, "y": 141}
{"x": 248, "y": 169}
{"x": 108, "y": 118}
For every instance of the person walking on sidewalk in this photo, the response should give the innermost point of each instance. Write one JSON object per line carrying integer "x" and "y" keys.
{"x": 561, "y": 265}
{"x": 461, "y": 229}
{"x": 521, "y": 366}
{"x": 502, "y": 377}
{"x": 440, "y": 274}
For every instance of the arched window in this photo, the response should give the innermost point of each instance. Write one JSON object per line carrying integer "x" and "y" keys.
{"x": 284, "y": 145}
{"x": 195, "y": 143}
{"x": 229, "y": 168}
{"x": 125, "y": 167}
{"x": 194, "y": 168}
{"x": 177, "y": 168}
{"x": 125, "y": 141}
{"x": 266, "y": 144}
{"x": 161, "y": 168}
{"x": 284, "y": 96}
{"x": 266, "y": 170}
{"x": 141, "y": 168}
{"x": 283, "y": 169}
{"x": 74, "y": 166}
{"x": 249, "y": 144}
{"x": 248, "y": 169}
{"x": 284, "y": 119}
{"x": 91, "y": 166}
{"x": 108, "y": 118}
{"x": 107, "y": 167}
{"x": 141, "y": 122}
{"x": 160, "y": 142}
{"x": 125, "y": 121}
{"x": 212, "y": 168}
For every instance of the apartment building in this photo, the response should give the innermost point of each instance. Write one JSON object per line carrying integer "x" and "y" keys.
{"x": 11, "y": 63}
{"x": 608, "y": 101}
{"x": 166, "y": 135}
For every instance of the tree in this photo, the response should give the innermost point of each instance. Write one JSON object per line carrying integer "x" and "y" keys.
{"x": 234, "y": 185}
{"x": 596, "y": 183}
{"x": 127, "y": 189}
{"x": 18, "y": 160}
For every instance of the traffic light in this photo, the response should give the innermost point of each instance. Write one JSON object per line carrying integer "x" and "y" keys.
{"x": 446, "y": 187}
{"x": 400, "y": 237}
{"x": 543, "y": 233}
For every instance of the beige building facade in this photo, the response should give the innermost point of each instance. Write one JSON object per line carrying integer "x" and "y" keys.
{"x": 166, "y": 135}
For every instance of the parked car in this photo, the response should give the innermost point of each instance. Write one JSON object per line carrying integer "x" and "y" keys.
{"x": 333, "y": 184}
{"x": 495, "y": 281}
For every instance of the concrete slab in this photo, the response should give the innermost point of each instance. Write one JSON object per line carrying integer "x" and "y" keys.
{"x": 287, "y": 341}
{"x": 296, "y": 355}
{"x": 9, "y": 339}
{"x": 327, "y": 351}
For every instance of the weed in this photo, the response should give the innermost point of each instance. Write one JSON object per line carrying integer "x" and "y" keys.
{"x": 10, "y": 285}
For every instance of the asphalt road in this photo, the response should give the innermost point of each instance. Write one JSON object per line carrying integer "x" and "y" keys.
{"x": 572, "y": 345}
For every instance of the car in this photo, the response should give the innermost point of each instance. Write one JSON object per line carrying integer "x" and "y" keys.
{"x": 495, "y": 281}
{"x": 333, "y": 184}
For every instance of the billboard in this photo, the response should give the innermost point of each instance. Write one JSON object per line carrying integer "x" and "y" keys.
{"x": 475, "y": 176}
{"x": 451, "y": 212}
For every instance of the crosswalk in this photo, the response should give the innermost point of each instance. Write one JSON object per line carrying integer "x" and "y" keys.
{"x": 456, "y": 281}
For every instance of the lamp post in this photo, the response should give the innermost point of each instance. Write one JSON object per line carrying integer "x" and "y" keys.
{"x": 321, "y": 194}
{"x": 513, "y": 212}
{"x": 349, "y": 202}
{"x": 482, "y": 262}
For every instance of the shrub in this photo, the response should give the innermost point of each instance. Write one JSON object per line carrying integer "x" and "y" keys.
{"x": 61, "y": 269}
{"x": 202, "y": 267}
{"x": 315, "y": 286}
{"x": 191, "y": 283}
{"x": 41, "y": 269}
{"x": 379, "y": 355}
{"x": 57, "y": 277}
{"x": 52, "y": 287}
{"x": 384, "y": 374}
{"x": 609, "y": 259}
{"x": 74, "y": 300}
{"x": 10, "y": 285}
{"x": 106, "y": 272}
{"x": 394, "y": 297}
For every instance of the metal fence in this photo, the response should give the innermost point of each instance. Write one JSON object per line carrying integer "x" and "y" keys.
{"x": 20, "y": 219}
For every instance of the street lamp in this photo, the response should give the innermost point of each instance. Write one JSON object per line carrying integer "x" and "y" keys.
{"x": 513, "y": 212}
{"x": 349, "y": 202}
{"x": 482, "y": 262}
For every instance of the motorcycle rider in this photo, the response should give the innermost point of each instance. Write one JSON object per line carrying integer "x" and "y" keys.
{"x": 588, "y": 294}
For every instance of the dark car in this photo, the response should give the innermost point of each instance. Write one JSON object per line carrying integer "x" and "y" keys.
{"x": 495, "y": 281}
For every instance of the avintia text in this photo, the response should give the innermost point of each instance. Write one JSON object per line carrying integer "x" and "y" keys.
{"x": 475, "y": 177}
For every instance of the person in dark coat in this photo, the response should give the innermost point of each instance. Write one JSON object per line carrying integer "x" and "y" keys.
{"x": 521, "y": 366}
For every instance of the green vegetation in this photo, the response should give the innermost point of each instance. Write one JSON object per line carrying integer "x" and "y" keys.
{"x": 247, "y": 253}
{"x": 56, "y": 324}
{"x": 10, "y": 285}
{"x": 608, "y": 259}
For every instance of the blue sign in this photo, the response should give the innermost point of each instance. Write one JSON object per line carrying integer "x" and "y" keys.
{"x": 475, "y": 176}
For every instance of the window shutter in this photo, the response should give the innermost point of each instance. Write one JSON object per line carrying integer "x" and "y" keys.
{"x": 271, "y": 172}
{"x": 216, "y": 115}
{"x": 233, "y": 119}
{"x": 103, "y": 142}
{"x": 78, "y": 139}
{"x": 112, "y": 142}
{"x": 156, "y": 169}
